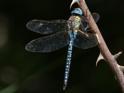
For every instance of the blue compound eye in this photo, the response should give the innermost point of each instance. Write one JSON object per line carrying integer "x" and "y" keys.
{"x": 77, "y": 11}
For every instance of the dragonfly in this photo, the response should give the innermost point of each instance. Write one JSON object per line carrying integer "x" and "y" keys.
{"x": 60, "y": 33}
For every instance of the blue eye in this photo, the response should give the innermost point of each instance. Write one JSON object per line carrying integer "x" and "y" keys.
{"x": 77, "y": 11}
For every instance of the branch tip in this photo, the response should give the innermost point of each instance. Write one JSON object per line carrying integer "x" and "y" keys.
{"x": 74, "y": 2}
{"x": 100, "y": 57}
{"x": 117, "y": 55}
{"x": 121, "y": 67}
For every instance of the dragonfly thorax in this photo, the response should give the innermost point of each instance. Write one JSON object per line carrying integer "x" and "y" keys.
{"x": 75, "y": 22}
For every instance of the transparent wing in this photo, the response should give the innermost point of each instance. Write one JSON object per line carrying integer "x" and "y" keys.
{"x": 48, "y": 43}
{"x": 85, "y": 40}
{"x": 47, "y": 27}
{"x": 84, "y": 23}
{"x": 96, "y": 17}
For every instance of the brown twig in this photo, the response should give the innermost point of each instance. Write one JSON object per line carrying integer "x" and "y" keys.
{"x": 109, "y": 58}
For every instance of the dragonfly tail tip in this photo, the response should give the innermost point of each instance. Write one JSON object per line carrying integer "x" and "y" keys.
{"x": 64, "y": 88}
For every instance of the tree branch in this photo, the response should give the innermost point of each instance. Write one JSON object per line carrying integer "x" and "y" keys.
{"x": 109, "y": 58}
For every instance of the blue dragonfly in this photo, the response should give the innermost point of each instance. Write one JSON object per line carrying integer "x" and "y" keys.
{"x": 60, "y": 33}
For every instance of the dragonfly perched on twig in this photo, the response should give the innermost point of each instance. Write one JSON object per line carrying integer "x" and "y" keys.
{"x": 60, "y": 33}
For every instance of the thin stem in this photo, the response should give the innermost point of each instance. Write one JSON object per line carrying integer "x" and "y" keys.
{"x": 102, "y": 45}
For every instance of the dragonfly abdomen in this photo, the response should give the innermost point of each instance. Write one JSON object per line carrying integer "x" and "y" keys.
{"x": 69, "y": 56}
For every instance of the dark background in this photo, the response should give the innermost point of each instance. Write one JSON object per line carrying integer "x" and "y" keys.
{"x": 25, "y": 72}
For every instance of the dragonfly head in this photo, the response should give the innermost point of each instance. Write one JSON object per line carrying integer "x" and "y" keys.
{"x": 77, "y": 11}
